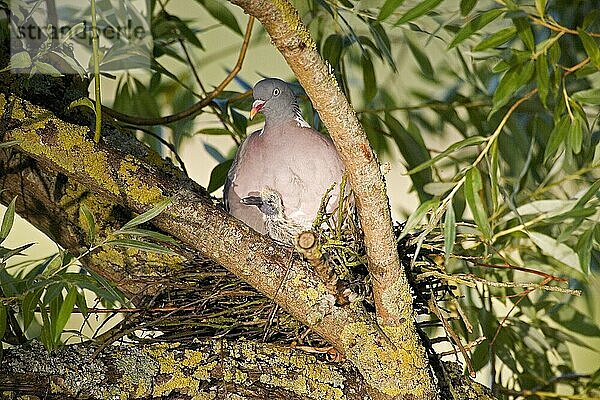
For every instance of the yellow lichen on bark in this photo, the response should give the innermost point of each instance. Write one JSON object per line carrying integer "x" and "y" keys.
{"x": 137, "y": 188}
{"x": 68, "y": 146}
{"x": 389, "y": 368}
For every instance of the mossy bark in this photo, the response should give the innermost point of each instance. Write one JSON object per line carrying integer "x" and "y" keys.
{"x": 203, "y": 370}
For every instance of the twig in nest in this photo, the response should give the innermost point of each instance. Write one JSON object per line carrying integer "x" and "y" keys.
{"x": 308, "y": 245}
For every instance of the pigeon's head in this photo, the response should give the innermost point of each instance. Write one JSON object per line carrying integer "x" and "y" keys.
{"x": 269, "y": 202}
{"x": 275, "y": 99}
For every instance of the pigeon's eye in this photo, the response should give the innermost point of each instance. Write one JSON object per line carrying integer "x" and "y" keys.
{"x": 276, "y": 92}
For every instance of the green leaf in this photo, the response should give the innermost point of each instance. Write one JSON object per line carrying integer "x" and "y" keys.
{"x": 383, "y": 43}
{"x": 470, "y": 141}
{"x": 8, "y": 253}
{"x": 494, "y": 175}
{"x": 90, "y": 222}
{"x": 559, "y": 251}
{"x": 46, "y": 335}
{"x": 575, "y": 136}
{"x": 54, "y": 265}
{"x": 138, "y": 244}
{"x": 557, "y": 136}
{"x": 568, "y": 317}
{"x": 466, "y": 6}
{"x": 474, "y": 25}
{"x": 511, "y": 82}
{"x": 542, "y": 77}
{"x": 540, "y": 6}
{"x": 591, "y": 47}
{"x": 46, "y": 69}
{"x": 473, "y": 193}
{"x": 496, "y": 39}
{"x": 590, "y": 96}
{"x": 449, "y": 231}
{"x": 416, "y": 217}
{"x": 213, "y": 131}
{"x": 7, "y": 220}
{"x": 218, "y": 175}
{"x": 412, "y": 147}
{"x": 583, "y": 248}
{"x": 147, "y": 233}
{"x": 75, "y": 30}
{"x": 332, "y": 49}
{"x": 591, "y": 192}
{"x": 421, "y": 58}
{"x": 438, "y": 188}
{"x": 66, "y": 309}
{"x": 421, "y": 8}
{"x": 82, "y": 102}
{"x": 82, "y": 304}
{"x": 388, "y": 8}
{"x": 240, "y": 122}
{"x": 525, "y": 32}
{"x": 369, "y": 80}
{"x": 9, "y": 143}
{"x": 222, "y": 14}
{"x": 18, "y": 61}
{"x": 30, "y": 302}
{"x": 148, "y": 215}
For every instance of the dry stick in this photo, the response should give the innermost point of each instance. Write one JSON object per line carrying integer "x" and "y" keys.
{"x": 273, "y": 312}
{"x": 308, "y": 245}
{"x": 516, "y": 268}
{"x": 556, "y": 27}
{"x": 196, "y": 108}
{"x": 472, "y": 344}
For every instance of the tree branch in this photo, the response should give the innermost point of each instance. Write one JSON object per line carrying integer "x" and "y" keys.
{"x": 390, "y": 286}
{"x": 208, "y": 369}
{"x": 196, "y": 108}
{"x": 122, "y": 174}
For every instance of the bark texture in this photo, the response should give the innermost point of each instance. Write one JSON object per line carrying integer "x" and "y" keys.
{"x": 390, "y": 287}
{"x": 202, "y": 370}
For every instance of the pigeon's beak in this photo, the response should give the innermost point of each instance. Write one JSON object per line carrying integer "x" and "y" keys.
{"x": 252, "y": 200}
{"x": 256, "y": 107}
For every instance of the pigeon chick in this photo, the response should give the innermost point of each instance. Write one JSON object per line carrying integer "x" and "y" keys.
{"x": 277, "y": 225}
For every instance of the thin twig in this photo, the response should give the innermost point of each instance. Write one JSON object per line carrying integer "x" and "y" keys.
{"x": 196, "y": 108}
{"x": 514, "y": 306}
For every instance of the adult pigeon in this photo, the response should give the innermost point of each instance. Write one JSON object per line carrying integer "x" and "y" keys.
{"x": 277, "y": 225}
{"x": 287, "y": 156}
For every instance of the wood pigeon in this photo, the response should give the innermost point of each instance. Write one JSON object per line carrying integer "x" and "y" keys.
{"x": 286, "y": 156}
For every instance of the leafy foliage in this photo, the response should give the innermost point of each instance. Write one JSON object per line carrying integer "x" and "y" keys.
{"x": 52, "y": 287}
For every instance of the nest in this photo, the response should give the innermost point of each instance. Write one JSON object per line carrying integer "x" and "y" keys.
{"x": 203, "y": 300}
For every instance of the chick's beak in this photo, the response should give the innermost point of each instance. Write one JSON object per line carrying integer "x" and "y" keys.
{"x": 256, "y": 107}
{"x": 252, "y": 200}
